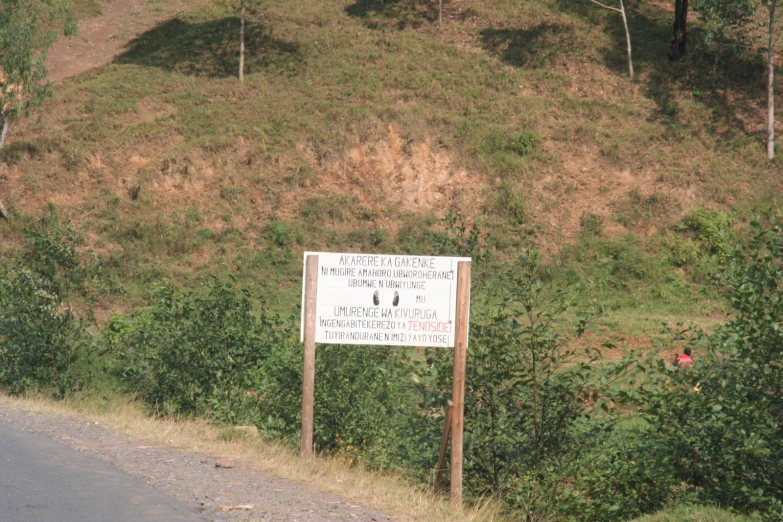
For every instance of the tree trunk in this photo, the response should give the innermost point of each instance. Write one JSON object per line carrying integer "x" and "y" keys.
{"x": 242, "y": 41}
{"x": 678, "y": 47}
{"x": 440, "y": 12}
{"x": 771, "y": 82}
{"x": 4, "y": 131}
{"x": 627, "y": 39}
{"x": 3, "y": 136}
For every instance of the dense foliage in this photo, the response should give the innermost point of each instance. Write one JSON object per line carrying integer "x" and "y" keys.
{"x": 526, "y": 391}
{"x": 43, "y": 341}
{"x": 721, "y": 423}
{"x": 542, "y": 431}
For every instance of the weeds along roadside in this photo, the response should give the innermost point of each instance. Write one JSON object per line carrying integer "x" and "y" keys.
{"x": 391, "y": 494}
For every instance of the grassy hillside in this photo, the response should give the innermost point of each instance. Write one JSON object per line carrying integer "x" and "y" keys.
{"x": 362, "y": 124}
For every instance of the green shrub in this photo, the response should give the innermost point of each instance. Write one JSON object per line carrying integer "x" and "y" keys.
{"x": 721, "y": 423}
{"x": 42, "y": 340}
{"x": 523, "y": 143}
{"x": 606, "y": 264}
{"x": 320, "y": 208}
{"x": 683, "y": 252}
{"x": 457, "y": 239}
{"x": 591, "y": 225}
{"x": 44, "y": 345}
{"x": 278, "y": 233}
{"x": 199, "y": 351}
{"x": 363, "y": 401}
{"x": 525, "y": 395}
{"x": 619, "y": 475}
{"x": 710, "y": 228}
{"x": 687, "y": 513}
{"x": 51, "y": 254}
{"x": 511, "y": 203}
{"x": 496, "y": 141}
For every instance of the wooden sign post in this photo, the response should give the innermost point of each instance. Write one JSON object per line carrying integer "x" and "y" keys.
{"x": 458, "y": 391}
{"x": 308, "y": 381}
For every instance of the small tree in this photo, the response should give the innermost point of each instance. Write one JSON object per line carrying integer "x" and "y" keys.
{"x": 246, "y": 7}
{"x": 679, "y": 42}
{"x": 621, "y": 10}
{"x": 28, "y": 28}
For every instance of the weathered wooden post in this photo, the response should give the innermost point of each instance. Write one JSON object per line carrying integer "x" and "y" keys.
{"x": 308, "y": 376}
{"x": 458, "y": 392}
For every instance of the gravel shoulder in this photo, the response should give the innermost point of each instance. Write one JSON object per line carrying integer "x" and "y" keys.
{"x": 220, "y": 494}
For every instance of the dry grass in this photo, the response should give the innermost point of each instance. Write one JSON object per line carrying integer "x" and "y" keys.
{"x": 387, "y": 493}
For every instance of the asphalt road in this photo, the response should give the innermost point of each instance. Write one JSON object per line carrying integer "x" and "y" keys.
{"x": 43, "y": 481}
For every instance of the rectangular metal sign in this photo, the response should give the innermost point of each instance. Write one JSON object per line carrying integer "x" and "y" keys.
{"x": 377, "y": 299}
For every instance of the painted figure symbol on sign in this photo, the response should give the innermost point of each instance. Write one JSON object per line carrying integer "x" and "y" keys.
{"x": 376, "y": 299}
{"x": 396, "y": 300}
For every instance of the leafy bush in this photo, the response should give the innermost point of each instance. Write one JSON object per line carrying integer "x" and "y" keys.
{"x": 200, "y": 351}
{"x": 526, "y": 390}
{"x": 523, "y": 143}
{"x": 591, "y": 225}
{"x": 212, "y": 351}
{"x": 606, "y": 264}
{"x": 51, "y": 254}
{"x": 364, "y": 401}
{"x": 511, "y": 203}
{"x": 695, "y": 514}
{"x": 278, "y": 233}
{"x": 43, "y": 342}
{"x": 457, "y": 239}
{"x": 710, "y": 228}
{"x": 721, "y": 423}
{"x": 683, "y": 252}
{"x": 620, "y": 476}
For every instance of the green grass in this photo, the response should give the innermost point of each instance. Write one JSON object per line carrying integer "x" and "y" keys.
{"x": 172, "y": 168}
{"x": 695, "y": 514}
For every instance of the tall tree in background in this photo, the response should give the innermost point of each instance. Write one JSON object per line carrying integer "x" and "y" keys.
{"x": 677, "y": 50}
{"x": 28, "y": 28}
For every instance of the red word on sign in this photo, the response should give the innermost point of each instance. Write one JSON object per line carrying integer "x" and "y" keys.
{"x": 429, "y": 326}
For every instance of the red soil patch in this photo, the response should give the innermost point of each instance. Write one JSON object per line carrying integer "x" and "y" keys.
{"x": 102, "y": 38}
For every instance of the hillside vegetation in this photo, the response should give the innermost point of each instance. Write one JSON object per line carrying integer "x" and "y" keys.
{"x": 362, "y": 124}
{"x": 160, "y": 207}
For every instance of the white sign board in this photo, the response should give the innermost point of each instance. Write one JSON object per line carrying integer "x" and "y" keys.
{"x": 385, "y": 300}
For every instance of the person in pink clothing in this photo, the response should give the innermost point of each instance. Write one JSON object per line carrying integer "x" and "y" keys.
{"x": 684, "y": 359}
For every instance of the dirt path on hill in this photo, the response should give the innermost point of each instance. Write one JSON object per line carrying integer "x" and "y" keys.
{"x": 219, "y": 494}
{"x": 102, "y": 38}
